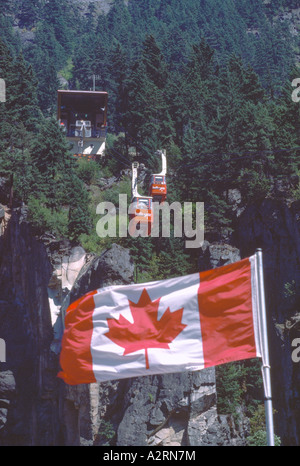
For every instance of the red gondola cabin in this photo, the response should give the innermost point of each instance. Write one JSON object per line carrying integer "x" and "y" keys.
{"x": 140, "y": 213}
{"x": 158, "y": 188}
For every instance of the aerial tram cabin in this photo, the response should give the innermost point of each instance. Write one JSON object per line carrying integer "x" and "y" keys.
{"x": 158, "y": 184}
{"x": 82, "y": 116}
{"x": 141, "y": 206}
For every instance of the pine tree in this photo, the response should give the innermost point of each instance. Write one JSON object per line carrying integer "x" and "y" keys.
{"x": 286, "y": 136}
{"x": 55, "y": 14}
{"x": 18, "y": 120}
{"x": 153, "y": 60}
{"x": 51, "y": 159}
{"x": 56, "y": 187}
{"x": 8, "y": 35}
{"x": 91, "y": 17}
{"x": 274, "y": 56}
{"x": 79, "y": 220}
{"x": 119, "y": 71}
{"x": 120, "y": 25}
{"x": 16, "y": 164}
{"x": 246, "y": 131}
{"x": 22, "y": 104}
{"x": 48, "y": 82}
{"x": 148, "y": 120}
{"x": 84, "y": 63}
{"x": 29, "y": 12}
{"x": 47, "y": 45}
{"x": 6, "y": 73}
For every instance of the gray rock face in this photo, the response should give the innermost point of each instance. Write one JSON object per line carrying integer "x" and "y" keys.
{"x": 217, "y": 255}
{"x": 113, "y": 267}
{"x": 25, "y": 325}
{"x": 234, "y": 199}
{"x": 160, "y": 409}
{"x": 173, "y": 410}
{"x": 7, "y": 393}
{"x": 170, "y": 410}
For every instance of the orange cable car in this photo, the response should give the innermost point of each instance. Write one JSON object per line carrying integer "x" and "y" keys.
{"x": 140, "y": 211}
{"x": 158, "y": 184}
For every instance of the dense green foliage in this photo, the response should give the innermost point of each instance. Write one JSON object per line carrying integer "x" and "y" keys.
{"x": 207, "y": 80}
{"x": 239, "y": 383}
{"x": 34, "y": 154}
{"x": 258, "y": 435}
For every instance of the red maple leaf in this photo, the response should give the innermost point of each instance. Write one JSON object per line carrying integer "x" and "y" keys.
{"x": 146, "y": 331}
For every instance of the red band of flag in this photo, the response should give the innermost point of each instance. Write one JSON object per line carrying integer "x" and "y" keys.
{"x": 225, "y": 307}
{"x": 76, "y": 353}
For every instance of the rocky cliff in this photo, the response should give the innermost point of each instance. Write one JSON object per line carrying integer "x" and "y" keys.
{"x": 25, "y": 325}
{"x": 40, "y": 277}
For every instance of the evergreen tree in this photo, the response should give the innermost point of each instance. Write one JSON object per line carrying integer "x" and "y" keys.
{"x": 45, "y": 44}
{"x": 153, "y": 60}
{"x": 118, "y": 100}
{"x": 120, "y": 25}
{"x": 84, "y": 63}
{"x": 56, "y": 185}
{"x": 286, "y": 136}
{"x": 91, "y": 17}
{"x": 19, "y": 114}
{"x": 22, "y": 101}
{"x": 6, "y": 73}
{"x": 274, "y": 55}
{"x": 8, "y": 35}
{"x": 55, "y": 14}
{"x": 48, "y": 84}
{"x": 51, "y": 159}
{"x": 16, "y": 164}
{"x": 147, "y": 120}
{"x": 246, "y": 131}
{"x": 29, "y": 12}
{"x": 79, "y": 219}
{"x": 102, "y": 63}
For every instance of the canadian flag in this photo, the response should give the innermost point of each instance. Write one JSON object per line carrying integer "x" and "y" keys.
{"x": 174, "y": 325}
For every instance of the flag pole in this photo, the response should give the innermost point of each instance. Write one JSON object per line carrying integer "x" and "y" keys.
{"x": 266, "y": 374}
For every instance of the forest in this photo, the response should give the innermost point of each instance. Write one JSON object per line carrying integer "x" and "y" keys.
{"x": 209, "y": 81}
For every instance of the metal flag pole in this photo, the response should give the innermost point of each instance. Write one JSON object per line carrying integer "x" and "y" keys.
{"x": 265, "y": 349}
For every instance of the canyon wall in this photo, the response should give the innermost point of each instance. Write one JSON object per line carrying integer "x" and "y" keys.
{"x": 39, "y": 277}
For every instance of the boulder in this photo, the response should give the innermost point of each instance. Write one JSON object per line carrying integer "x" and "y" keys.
{"x": 212, "y": 255}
